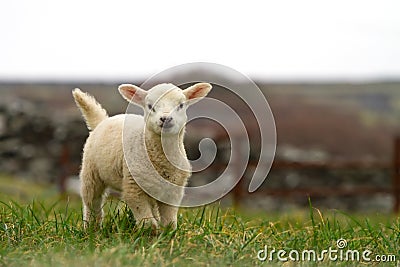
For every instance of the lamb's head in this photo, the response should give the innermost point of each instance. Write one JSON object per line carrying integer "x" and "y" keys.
{"x": 165, "y": 104}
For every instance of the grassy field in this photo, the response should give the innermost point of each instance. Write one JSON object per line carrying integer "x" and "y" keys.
{"x": 47, "y": 232}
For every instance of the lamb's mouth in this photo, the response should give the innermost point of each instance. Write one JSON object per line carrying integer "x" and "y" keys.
{"x": 165, "y": 126}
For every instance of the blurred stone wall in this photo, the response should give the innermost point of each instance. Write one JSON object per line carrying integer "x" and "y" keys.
{"x": 33, "y": 142}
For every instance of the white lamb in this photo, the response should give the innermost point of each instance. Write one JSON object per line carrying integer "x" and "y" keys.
{"x": 103, "y": 161}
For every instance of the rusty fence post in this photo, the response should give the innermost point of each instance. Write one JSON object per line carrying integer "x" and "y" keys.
{"x": 64, "y": 168}
{"x": 396, "y": 175}
{"x": 238, "y": 189}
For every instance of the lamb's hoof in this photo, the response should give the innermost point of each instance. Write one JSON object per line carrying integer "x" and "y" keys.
{"x": 169, "y": 226}
{"x": 151, "y": 226}
{"x": 90, "y": 226}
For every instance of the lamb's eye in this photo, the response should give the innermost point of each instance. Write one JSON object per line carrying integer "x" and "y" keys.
{"x": 180, "y": 106}
{"x": 150, "y": 107}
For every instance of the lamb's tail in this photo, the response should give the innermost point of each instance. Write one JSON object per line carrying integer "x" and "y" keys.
{"x": 91, "y": 110}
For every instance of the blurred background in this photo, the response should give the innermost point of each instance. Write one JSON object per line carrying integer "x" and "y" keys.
{"x": 329, "y": 70}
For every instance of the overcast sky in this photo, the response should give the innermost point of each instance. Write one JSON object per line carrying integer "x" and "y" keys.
{"x": 275, "y": 40}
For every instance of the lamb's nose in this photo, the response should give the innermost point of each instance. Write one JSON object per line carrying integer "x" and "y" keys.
{"x": 165, "y": 119}
{"x": 166, "y": 122}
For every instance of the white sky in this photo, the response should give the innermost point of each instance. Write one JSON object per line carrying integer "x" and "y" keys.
{"x": 87, "y": 39}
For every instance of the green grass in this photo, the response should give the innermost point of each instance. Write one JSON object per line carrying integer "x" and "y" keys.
{"x": 43, "y": 233}
{"x": 53, "y": 235}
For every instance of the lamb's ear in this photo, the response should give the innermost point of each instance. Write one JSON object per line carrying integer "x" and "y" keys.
{"x": 133, "y": 93}
{"x": 196, "y": 92}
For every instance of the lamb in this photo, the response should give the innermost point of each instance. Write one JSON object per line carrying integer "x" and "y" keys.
{"x": 105, "y": 166}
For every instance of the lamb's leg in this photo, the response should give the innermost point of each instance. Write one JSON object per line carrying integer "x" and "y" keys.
{"x": 140, "y": 203}
{"x": 155, "y": 210}
{"x": 92, "y": 190}
{"x": 168, "y": 214}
